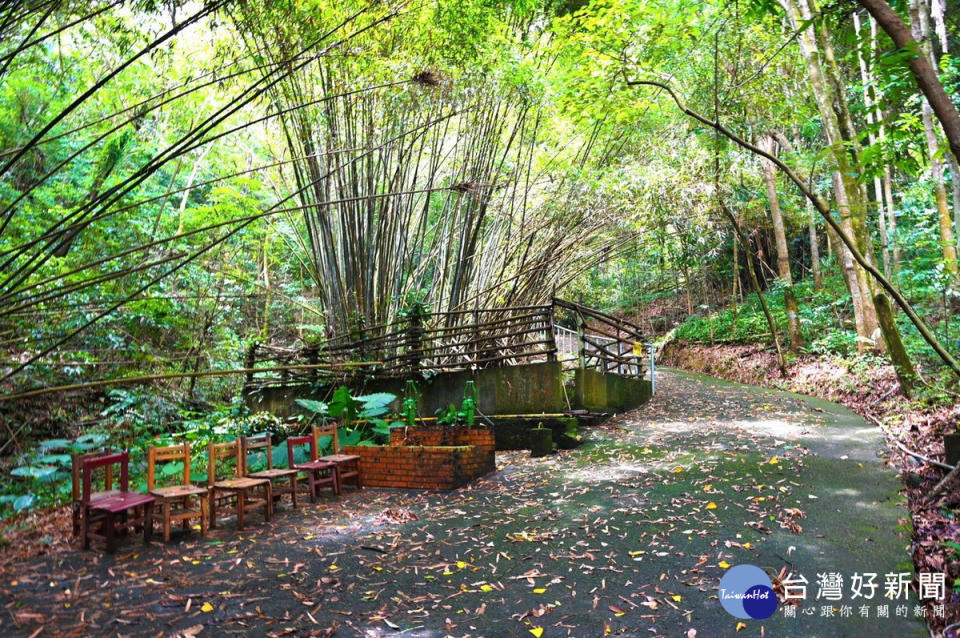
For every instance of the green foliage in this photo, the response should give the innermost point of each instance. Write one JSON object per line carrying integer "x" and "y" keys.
{"x": 361, "y": 417}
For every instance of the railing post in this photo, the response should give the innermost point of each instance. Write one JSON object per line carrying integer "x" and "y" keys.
{"x": 414, "y": 342}
{"x": 476, "y": 335}
{"x": 653, "y": 370}
{"x": 581, "y": 343}
{"x": 551, "y": 330}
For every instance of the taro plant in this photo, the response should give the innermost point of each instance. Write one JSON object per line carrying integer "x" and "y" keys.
{"x": 44, "y": 475}
{"x": 364, "y": 419}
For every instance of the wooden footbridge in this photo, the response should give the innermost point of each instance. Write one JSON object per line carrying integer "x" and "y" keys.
{"x": 427, "y": 343}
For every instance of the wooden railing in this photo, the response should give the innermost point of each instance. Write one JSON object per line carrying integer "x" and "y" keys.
{"x": 461, "y": 340}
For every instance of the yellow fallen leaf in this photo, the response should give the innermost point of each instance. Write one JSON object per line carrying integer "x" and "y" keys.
{"x": 448, "y": 573}
{"x": 540, "y": 590}
{"x": 207, "y": 607}
{"x": 486, "y": 588}
{"x": 537, "y": 631}
{"x": 379, "y": 569}
{"x": 724, "y": 564}
{"x": 741, "y": 626}
{"x": 747, "y": 546}
{"x": 772, "y": 461}
{"x": 677, "y": 470}
{"x": 707, "y": 488}
{"x": 333, "y": 568}
{"x": 711, "y": 505}
{"x": 638, "y": 552}
{"x": 461, "y": 564}
{"x": 677, "y": 598}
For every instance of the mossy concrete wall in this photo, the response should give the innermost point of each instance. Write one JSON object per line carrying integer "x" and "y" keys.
{"x": 527, "y": 389}
{"x": 609, "y": 392}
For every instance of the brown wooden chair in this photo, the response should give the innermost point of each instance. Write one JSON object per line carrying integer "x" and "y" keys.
{"x": 277, "y": 476}
{"x": 348, "y": 465}
{"x": 319, "y": 473}
{"x": 77, "y": 459}
{"x": 176, "y": 501}
{"x": 237, "y": 488}
{"x": 111, "y": 509}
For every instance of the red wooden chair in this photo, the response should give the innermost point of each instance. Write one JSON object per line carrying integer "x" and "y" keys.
{"x": 111, "y": 509}
{"x": 176, "y": 501}
{"x": 348, "y": 465}
{"x": 319, "y": 473}
{"x": 77, "y": 459}
{"x": 239, "y": 489}
{"x": 275, "y": 475}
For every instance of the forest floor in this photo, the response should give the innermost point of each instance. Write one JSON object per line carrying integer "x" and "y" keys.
{"x": 627, "y": 535}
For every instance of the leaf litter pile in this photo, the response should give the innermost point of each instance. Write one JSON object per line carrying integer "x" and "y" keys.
{"x": 629, "y": 534}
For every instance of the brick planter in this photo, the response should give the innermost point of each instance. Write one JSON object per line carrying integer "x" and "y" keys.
{"x": 427, "y": 458}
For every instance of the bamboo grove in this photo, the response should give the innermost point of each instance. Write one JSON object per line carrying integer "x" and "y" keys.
{"x": 180, "y": 179}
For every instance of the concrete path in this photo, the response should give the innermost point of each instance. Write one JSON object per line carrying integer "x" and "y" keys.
{"x": 627, "y": 535}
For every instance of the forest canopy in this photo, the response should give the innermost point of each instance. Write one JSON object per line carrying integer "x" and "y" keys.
{"x": 179, "y": 180}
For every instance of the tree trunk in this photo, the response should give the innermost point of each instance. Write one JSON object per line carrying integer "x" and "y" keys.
{"x": 865, "y": 81}
{"x": 783, "y": 253}
{"x": 920, "y": 31}
{"x": 891, "y": 218}
{"x": 898, "y": 354}
{"x": 814, "y": 250}
{"x": 923, "y": 71}
{"x": 828, "y": 92}
{"x": 755, "y": 282}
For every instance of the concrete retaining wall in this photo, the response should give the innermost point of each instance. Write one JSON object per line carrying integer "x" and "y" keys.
{"x": 609, "y": 392}
{"x": 524, "y": 389}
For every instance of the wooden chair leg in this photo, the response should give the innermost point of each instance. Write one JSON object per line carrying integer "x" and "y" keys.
{"x": 312, "y": 482}
{"x": 147, "y": 522}
{"x": 293, "y": 490}
{"x": 204, "y": 516}
{"x": 241, "y": 506}
{"x": 85, "y": 528}
{"x": 335, "y": 474}
{"x": 269, "y": 508}
{"x": 165, "y": 507}
{"x": 185, "y": 523}
{"x": 212, "y": 502}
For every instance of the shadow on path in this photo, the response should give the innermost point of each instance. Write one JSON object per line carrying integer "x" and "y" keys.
{"x": 627, "y": 535}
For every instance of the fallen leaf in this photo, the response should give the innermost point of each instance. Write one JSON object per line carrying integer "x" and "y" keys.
{"x": 207, "y": 607}
{"x": 537, "y": 631}
{"x": 711, "y": 505}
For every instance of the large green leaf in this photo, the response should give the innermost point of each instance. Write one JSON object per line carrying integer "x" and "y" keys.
{"x": 23, "y": 502}
{"x": 33, "y": 471}
{"x": 318, "y": 407}
{"x": 55, "y": 444}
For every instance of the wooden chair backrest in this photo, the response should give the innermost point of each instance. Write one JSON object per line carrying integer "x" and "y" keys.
{"x": 219, "y": 451}
{"x": 327, "y": 429}
{"x": 106, "y": 461}
{"x": 294, "y": 441}
{"x": 77, "y": 471}
{"x": 169, "y": 453}
{"x": 256, "y": 442}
